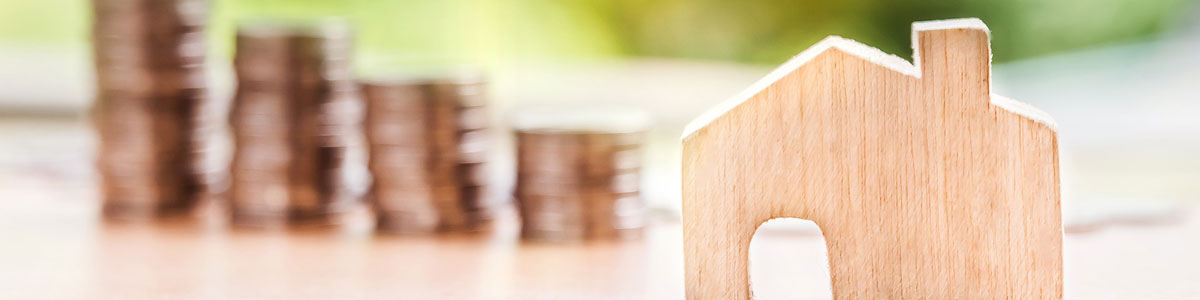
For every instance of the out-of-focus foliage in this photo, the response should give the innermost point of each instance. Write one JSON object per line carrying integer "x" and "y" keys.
{"x": 769, "y": 30}
{"x": 759, "y": 31}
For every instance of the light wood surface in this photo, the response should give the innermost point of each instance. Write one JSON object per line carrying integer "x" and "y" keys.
{"x": 54, "y": 247}
{"x": 924, "y": 185}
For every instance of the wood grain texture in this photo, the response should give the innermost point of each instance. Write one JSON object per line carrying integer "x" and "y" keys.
{"x": 924, "y": 184}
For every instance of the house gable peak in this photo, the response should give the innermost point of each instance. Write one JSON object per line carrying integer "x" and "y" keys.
{"x": 873, "y": 55}
{"x": 844, "y": 45}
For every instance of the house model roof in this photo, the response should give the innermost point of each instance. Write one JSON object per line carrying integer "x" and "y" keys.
{"x": 870, "y": 54}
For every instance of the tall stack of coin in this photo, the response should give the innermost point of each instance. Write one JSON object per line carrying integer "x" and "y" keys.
{"x": 295, "y": 112}
{"x": 578, "y": 173}
{"x": 428, "y": 147}
{"x": 150, "y": 103}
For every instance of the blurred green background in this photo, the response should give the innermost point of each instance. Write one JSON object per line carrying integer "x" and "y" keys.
{"x": 754, "y": 31}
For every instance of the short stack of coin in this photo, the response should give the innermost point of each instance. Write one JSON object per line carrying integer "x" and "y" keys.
{"x": 294, "y": 115}
{"x": 578, "y": 173}
{"x": 150, "y": 108}
{"x": 428, "y": 141}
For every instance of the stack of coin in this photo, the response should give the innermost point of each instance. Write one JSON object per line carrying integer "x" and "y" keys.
{"x": 578, "y": 173}
{"x": 428, "y": 145}
{"x": 294, "y": 115}
{"x": 149, "y": 111}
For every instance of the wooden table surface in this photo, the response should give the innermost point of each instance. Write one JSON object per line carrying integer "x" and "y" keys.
{"x": 57, "y": 248}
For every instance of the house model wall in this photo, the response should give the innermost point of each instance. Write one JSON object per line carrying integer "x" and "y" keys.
{"x": 924, "y": 184}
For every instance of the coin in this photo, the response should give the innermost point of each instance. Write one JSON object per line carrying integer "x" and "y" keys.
{"x": 150, "y": 112}
{"x": 429, "y": 143}
{"x": 292, "y": 123}
{"x": 578, "y": 173}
